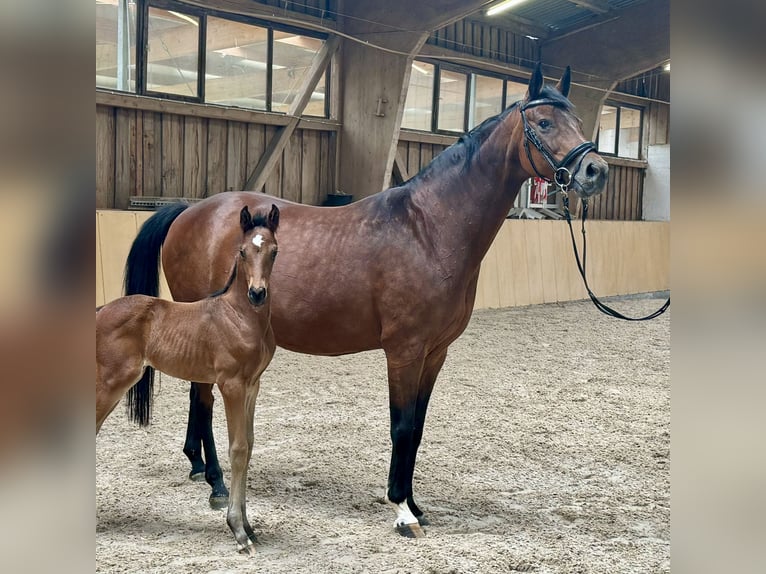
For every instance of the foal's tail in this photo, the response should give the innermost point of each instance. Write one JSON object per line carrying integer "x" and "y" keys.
{"x": 142, "y": 276}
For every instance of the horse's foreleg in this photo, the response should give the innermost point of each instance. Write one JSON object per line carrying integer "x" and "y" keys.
{"x": 431, "y": 368}
{"x": 219, "y": 496}
{"x": 403, "y": 393}
{"x": 193, "y": 443}
{"x": 250, "y": 397}
{"x": 235, "y": 402}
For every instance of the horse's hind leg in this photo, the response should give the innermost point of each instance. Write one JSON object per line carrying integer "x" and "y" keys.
{"x": 202, "y": 397}
{"x": 193, "y": 443}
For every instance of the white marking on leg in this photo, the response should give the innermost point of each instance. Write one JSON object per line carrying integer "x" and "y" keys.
{"x": 258, "y": 240}
{"x": 403, "y": 513}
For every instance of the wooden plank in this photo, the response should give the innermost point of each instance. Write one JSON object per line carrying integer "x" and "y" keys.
{"x": 172, "y": 155}
{"x": 273, "y": 153}
{"x": 151, "y": 153}
{"x": 139, "y": 145}
{"x": 195, "y": 157}
{"x": 426, "y": 155}
{"x": 104, "y": 157}
{"x": 488, "y": 288}
{"x": 211, "y": 111}
{"x": 494, "y": 40}
{"x": 100, "y": 299}
{"x": 518, "y": 254}
{"x": 117, "y": 230}
{"x": 256, "y": 144}
{"x": 291, "y": 168}
{"x": 273, "y": 185}
{"x": 506, "y": 270}
{"x": 534, "y": 261}
{"x": 413, "y": 158}
{"x": 217, "y": 150}
{"x": 236, "y": 156}
{"x": 310, "y": 169}
{"x": 125, "y": 157}
{"x": 400, "y": 166}
{"x": 547, "y": 260}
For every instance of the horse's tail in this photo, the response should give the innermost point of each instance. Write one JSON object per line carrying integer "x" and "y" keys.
{"x": 142, "y": 276}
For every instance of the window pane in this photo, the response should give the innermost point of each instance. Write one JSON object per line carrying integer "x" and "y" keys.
{"x": 514, "y": 92}
{"x": 630, "y": 133}
{"x": 116, "y": 44}
{"x": 486, "y": 99}
{"x": 172, "y": 52}
{"x": 420, "y": 94}
{"x": 235, "y": 63}
{"x": 293, "y": 55}
{"x": 606, "y": 129}
{"x": 452, "y": 87}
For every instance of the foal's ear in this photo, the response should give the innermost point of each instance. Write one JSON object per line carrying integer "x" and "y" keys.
{"x": 245, "y": 219}
{"x": 272, "y": 222}
{"x": 535, "y": 83}
{"x": 564, "y": 82}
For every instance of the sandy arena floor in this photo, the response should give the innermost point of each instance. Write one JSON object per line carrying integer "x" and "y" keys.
{"x": 546, "y": 450}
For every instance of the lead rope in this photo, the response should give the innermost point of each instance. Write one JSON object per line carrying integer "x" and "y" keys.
{"x": 601, "y": 306}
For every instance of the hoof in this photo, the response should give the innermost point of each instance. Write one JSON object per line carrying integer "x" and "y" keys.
{"x": 219, "y": 502}
{"x": 197, "y": 476}
{"x": 410, "y": 530}
{"x": 248, "y": 549}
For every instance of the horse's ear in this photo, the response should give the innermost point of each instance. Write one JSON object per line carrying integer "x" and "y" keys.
{"x": 245, "y": 219}
{"x": 535, "y": 83}
{"x": 273, "y": 219}
{"x": 564, "y": 82}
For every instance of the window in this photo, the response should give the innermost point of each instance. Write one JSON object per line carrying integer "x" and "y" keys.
{"x": 451, "y": 99}
{"x": 202, "y": 56}
{"x": 619, "y": 131}
{"x": 172, "y": 53}
{"x": 486, "y": 99}
{"x": 293, "y": 55}
{"x": 236, "y": 64}
{"x": 420, "y": 97}
{"x": 116, "y": 44}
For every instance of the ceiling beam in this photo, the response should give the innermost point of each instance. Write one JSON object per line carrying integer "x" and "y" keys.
{"x": 595, "y": 6}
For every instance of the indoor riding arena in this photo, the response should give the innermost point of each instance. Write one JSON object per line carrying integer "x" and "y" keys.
{"x": 468, "y": 198}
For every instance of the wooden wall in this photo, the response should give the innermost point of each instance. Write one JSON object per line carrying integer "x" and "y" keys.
{"x": 530, "y": 261}
{"x": 487, "y": 41}
{"x": 144, "y": 152}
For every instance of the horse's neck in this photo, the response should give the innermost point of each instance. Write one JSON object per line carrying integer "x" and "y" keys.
{"x": 468, "y": 204}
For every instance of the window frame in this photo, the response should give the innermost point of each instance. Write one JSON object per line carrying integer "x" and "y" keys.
{"x": 142, "y": 37}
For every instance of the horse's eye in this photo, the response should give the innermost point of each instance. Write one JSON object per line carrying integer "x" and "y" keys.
{"x": 242, "y": 253}
{"x": 544, "y": 124}
{"x": 274, "y": 255}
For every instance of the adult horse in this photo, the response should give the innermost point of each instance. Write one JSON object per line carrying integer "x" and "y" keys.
{"x": 396, "y": 270}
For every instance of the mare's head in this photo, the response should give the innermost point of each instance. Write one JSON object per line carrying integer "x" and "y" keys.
{"x": 554, "y": 146}
{"x": 258, "y": 251}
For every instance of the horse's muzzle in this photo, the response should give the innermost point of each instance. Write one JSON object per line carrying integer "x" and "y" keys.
{"x": 257, "y": 295}
{"x": 592, "y": 176}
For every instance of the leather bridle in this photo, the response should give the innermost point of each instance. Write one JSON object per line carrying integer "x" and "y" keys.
{"x": 562, "y": 175}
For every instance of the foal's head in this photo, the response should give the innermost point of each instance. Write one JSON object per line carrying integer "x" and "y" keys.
{"x": 258, "y": 251}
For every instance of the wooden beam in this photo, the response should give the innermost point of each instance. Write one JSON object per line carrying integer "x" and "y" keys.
{"x": 271, "y": 155}
{"x": 400, "y": 167}
{"x": 595, "y": 6}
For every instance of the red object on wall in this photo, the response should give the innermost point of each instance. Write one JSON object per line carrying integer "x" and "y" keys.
{"x": 539, "y": 191}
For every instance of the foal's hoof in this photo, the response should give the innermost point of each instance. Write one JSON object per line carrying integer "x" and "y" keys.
{"x": 197, "y": 476}
{"x": 219, "y": 502}
{"x": 410, "y": 530}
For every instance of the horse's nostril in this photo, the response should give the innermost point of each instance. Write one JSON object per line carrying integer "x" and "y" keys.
{"x": 592, "y": 170}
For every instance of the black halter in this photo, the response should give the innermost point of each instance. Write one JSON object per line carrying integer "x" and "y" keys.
{"x": 561, "y": 174}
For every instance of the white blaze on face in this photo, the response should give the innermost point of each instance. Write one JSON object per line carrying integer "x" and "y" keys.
{"x": 258, "y": 240}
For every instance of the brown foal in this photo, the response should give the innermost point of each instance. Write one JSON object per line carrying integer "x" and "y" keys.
{"x": 225, "y": 339}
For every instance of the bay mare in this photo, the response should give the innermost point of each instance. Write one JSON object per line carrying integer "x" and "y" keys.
{"x": 225, "y": 339}
{"x": 396, "y": 270}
